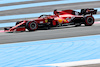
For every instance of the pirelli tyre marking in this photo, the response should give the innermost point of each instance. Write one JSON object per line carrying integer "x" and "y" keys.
{"x": 31, "y": 25}
{"x": 89, "y": 20}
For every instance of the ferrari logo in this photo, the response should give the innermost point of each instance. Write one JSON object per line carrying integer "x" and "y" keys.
{"x": 46, "y": 20}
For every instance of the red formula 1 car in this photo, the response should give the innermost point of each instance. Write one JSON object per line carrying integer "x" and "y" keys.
{"x": 64, "y": 17}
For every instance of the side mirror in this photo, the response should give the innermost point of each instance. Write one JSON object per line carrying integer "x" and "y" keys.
{"x": 38, "y": 17}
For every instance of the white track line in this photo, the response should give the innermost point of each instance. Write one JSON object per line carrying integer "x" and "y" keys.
{"x": 76, "y": 63}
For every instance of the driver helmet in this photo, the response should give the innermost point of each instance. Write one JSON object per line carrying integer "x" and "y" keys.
{"x": 55, "y": 11}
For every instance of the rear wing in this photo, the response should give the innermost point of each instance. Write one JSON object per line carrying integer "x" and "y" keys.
{"x": 88, "y": 11}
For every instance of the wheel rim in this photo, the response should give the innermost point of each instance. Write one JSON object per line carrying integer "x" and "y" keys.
{"x": 32, "y": 26}
{"x": 90, "y": 20}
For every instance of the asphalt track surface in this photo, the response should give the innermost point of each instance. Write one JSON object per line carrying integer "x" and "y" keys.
{"x": 26, "y": 2}
{"x": 53, "y": 33}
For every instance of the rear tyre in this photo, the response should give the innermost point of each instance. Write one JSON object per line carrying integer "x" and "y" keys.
{"x": 89, "y": 20}
{"x": 31, "y": 25}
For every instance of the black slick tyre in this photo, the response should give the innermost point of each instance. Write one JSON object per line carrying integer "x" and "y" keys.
{"x": 89, "y": 20}
{"x": 31, "y": 25}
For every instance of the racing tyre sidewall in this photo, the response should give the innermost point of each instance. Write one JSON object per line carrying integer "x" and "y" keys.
{"x": 31, "y": 25}
{"x": 89, "y": 21}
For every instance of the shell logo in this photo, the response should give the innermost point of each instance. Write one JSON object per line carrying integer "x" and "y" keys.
{"x": 46, "y": 20}
{"x": 60, "y": 20}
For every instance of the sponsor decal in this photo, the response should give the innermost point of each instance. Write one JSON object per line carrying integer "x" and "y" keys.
{"x": 69, "y": 18}
{"x": 41, "y": 21}
{"x": 65, "y": 20}
{"x": 60, "y": 20}
{"x": 46, "y": 20}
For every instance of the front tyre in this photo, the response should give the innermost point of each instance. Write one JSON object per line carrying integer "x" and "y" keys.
{"x": 31, "y": 25}
{"x": 89, "y": 20}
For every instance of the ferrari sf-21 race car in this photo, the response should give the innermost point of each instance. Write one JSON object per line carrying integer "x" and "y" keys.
{"x": 59, "y": 18}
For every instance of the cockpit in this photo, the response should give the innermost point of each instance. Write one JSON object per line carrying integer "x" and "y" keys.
{"x": 43, "y": 16}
